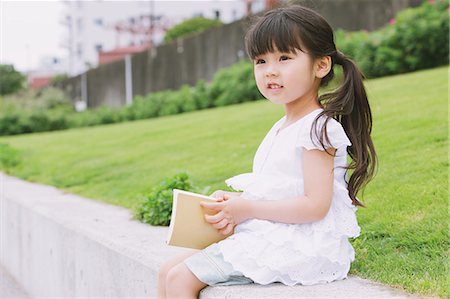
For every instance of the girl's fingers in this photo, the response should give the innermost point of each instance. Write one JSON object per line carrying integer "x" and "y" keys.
{"x": 218, "y": 194}
{"x": 221, "y": 224}
{"x": 227, "y": 229}
{"x": 214, "y": 218}
{"x": 215, "y": 206}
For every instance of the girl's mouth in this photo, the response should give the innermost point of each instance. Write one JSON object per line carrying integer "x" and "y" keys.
{"x": 274, "y": 86}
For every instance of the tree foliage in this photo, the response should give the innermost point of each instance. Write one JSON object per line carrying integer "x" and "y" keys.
{"x": 193, "y": 25}
{"x": 10, "y": 79}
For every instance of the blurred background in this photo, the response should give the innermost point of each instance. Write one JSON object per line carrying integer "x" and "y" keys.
{"x": 58, "y": 58}
{"x": 44, "y": 38}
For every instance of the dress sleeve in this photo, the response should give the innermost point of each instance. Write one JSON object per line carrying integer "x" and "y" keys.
{"x": 336, "y": 135}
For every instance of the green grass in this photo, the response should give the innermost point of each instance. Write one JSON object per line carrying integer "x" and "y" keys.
{"x": 404, "y": 227}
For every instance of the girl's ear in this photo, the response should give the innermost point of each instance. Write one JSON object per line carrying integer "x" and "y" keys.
{"x": 322, "y": 66}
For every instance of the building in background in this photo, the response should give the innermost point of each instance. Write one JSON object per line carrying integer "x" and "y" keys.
{"x": 105, "y": 30}
{"x": 49, "y": 67}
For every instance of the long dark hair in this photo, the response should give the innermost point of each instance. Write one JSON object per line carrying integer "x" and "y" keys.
{"x": 297, "y": 27}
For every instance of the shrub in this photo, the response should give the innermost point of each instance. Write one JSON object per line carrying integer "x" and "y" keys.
{"x": 54, "y": 98}
{"x": 234, "y": 84}
{"x": 187, "y": 99}
{"x": 419, "y": 36}
{"x": 416, "y": 39}
{"x": 10, "y": 124}
{"x": 12, "y": 80}
{"x": 156, "y": 206}
{"x": 144, "y": 107}
{"x": 171, "y": 103}
{"x": 43, "y": 99}
{"x": 106, "y": 115}
{"x": 193, "y": 25}
{"x": 201, "y": 95}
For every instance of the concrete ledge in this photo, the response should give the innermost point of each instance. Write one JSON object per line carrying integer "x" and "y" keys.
{"x": 9, "y": 288}
{"x": 56, "y": 244}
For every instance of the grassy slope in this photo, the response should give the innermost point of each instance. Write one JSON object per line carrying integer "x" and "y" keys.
{"x": 404, "y": 227}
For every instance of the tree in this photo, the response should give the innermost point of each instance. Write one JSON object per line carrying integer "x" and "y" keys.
{"x": 189, "y": 26}
{"x": 10, "y": 79}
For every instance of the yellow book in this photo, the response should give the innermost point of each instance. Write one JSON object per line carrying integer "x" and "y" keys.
{"x": 188, "y": 227}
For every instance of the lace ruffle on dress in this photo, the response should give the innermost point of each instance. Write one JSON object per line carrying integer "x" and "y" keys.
{"x": 311, "y": 253}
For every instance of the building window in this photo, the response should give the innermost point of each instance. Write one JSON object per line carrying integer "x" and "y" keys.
{"x": 79, "y": 50}
{"x": 98, "y": 47}
{"x": 98, "y": 22}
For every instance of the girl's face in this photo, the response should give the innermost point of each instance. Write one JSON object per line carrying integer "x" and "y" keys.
{"x": 284, "y": 78}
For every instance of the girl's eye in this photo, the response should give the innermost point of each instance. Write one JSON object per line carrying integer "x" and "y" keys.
{"x": 259, "y": 61}
{"x": 282, "y": 58}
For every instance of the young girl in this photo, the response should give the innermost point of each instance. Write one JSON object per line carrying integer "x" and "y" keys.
{"x": 296, "y": 212}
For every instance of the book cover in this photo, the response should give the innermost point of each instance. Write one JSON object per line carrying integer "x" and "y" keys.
{"x": 188, "y": 227}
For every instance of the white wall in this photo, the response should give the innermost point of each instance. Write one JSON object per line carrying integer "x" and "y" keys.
{"x": 85, "y": 34}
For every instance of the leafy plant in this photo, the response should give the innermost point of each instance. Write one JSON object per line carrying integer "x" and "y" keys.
{"x": 156, "y": 206}
{"x": 416, "y": 39}
{"x": 234, "y": 84}
{"x": 11, "y": 80}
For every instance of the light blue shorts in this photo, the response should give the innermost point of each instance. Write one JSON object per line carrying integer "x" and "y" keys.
{"x": 210, "y": 268}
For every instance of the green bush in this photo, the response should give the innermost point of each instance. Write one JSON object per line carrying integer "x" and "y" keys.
{"x": 42, "y": 99}
{"x": 185, "y": 28}
{"x": 416, "y": 39}
{"x": 107, "y": 115}
{"x": 156, "y": 206}
{"x": 234, "y": 84}
{"x": 187, "y": 99}
{"x": 10, "y": 124}
{"x": 201, "y": 95}
{"x": 11, "y": 80}
{"x": 171, "y": 103}
{"x": 144, "y": 107}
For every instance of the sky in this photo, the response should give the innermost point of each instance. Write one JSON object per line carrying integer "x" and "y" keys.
{"x": 31, "y": 31}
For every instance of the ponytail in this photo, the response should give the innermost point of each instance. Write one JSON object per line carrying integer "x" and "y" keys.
{"x": 350, "y": 107}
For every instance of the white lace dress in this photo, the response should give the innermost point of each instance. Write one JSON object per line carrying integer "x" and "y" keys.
{"x": 311, "y": 253}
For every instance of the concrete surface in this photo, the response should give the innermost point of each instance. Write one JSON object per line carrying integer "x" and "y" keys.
{"x": 56, "y": 244}
{"x": 9, "y": 288}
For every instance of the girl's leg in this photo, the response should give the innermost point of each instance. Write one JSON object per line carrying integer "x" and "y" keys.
{"x": 165, "y": 268}
{"x": 182, "y": 283}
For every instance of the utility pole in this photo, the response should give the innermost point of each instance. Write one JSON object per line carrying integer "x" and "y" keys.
{"x": 152, "y": 12}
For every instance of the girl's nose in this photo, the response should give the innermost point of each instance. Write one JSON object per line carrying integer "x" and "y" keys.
{"x": 271, "y": 72}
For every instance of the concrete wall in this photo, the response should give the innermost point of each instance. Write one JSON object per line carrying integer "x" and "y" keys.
{"x": 59, "y": 245}
{"x": 358, "y": 14}
{"x": 106, "y": 85}
{"x": 188, "y": 60}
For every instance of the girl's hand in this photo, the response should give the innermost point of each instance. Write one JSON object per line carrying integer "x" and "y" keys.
{"x": 220, "y": 194}
{"x": 230, "y": 212}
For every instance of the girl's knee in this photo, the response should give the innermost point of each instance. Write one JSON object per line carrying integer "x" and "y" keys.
{"x": 180, "y": 280}
{"x": 174, "y": 276}
{"x": 164, "y": 269}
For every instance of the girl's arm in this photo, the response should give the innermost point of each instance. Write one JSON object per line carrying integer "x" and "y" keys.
{"x": 313, "y": 206}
